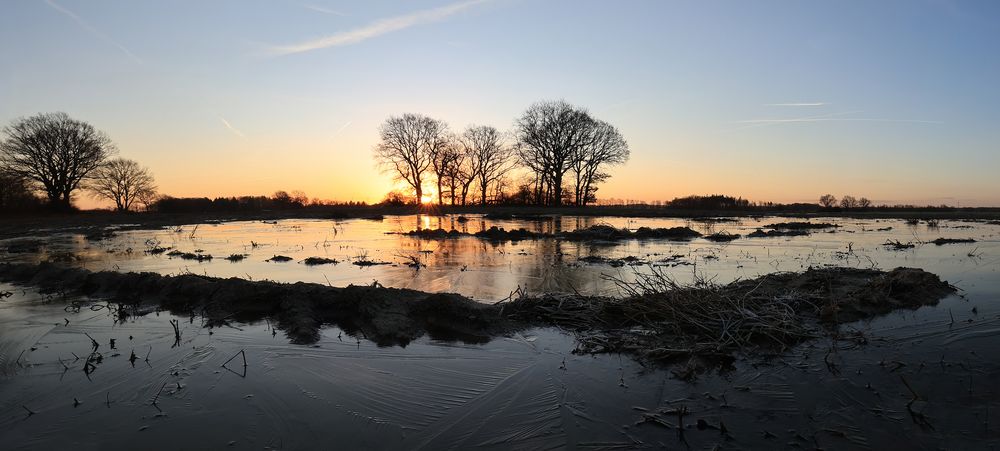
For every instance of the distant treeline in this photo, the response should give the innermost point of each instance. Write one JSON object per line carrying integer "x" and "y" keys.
{"x": 719, "y": 202}
{"x": 280, "y": 200}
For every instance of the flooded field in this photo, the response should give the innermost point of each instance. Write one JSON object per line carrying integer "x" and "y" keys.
{"x": 490, "y": 270}
{"x": 912, "y": 379}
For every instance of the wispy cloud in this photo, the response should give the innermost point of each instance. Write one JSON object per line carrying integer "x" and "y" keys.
{"x": 754, "y": 123}
{"x": 378, "y": 28}
{"x": 86, "y": 26}
{"x": 797, "y": 104}
{"x": 321, "y": 9}
{"x": 231, "y": 128}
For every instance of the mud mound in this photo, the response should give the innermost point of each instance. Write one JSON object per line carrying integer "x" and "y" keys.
{"x": 722, "y": 237}
{"x": 611, "y": 233}
{"x": 943, "y": 241}
{"x": 801, "y": 225}
{"x": 658, "y": 320}
{"x": 499, "y": 234}
{"x": 760, "y": 233}
{"x": 387, "y": 316}
{"x": 434, "y": 234}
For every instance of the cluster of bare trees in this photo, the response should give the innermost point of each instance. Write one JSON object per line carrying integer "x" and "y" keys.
{"x": 419, "y": 150}
{"x": 556, "y": 139}
{"x": 556, "y": 143}
{"x": 57, "y": 156}
{"x": 846, "y": 202}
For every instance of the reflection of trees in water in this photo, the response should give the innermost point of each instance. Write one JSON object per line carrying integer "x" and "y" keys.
{"x": 494, "y": 269}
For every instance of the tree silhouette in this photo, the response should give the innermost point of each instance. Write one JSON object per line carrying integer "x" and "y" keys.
{"x": 490, "y": 157}
{"x": 828, "y": 200}
{"x": 848, "y": 202}
{"x": 550, "y": 136}
{"x": 403, "y": 149}
{"x": 605, "y": 147}
{"x": 123, "y": 182}
{"x": 55, "y": 152}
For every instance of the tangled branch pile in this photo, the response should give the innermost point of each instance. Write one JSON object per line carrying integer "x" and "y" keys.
{"x": 659, "y": 319}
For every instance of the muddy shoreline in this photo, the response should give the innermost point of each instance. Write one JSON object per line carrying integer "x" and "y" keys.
{"x": 655, "y": 321}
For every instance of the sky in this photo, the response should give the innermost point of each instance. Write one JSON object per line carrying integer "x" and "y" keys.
{"x": 897, "y": 101}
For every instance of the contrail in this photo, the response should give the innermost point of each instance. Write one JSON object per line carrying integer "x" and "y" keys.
{"x": 342, "y": 128}
{"x": 231, "y": 128}
{"x": 835, "y": 119}
{"x": 378, "y": 28}
{"x": 93, "y": 30}
{"x": 797, "y": 104}
{"x": 321, "y": 9}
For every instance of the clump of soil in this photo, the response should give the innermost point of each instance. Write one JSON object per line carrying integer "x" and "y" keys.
{"x": 236, "y": 257}
{"x": 943, "y": 241}
{"x": 802, "y": 225}
{"x": 364, "y": 262}
{"x": 613, "y": 262}
{"x": 196, "y": 257}
{"x": 658, "y": 320}
{"x": 315, "y": 261}
{"x": 672, "y": 233}
{"x": 279, "y": 259}
{"x": 722, "y": 237}
{"x": 434, "y": 234}
{"x": 897, "y": 245}
{"x": 499, "y": 234}
{"x": 602, "y": 232}
{"x": 760, "y": 233}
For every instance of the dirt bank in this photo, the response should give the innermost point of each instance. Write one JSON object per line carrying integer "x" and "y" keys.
{"x": 387, "y": 316}
{"x": 657, "y": 320}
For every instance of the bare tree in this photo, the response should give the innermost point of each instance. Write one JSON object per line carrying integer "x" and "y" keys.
{"x": 457, "y": 172}
{"x": 490, "y": 157}
{"x": 55, "y": 152}
{"x": 606, "y": 147}
{"x": 439, "y": 145}
{"x": 864, "y": 202}
{"x": 848, "y": 202}
{"x": 550, "y": 136}
{"x": 828, "y": 200}
{"x": 123, "y": 182}
{"x": 403, "y": 149}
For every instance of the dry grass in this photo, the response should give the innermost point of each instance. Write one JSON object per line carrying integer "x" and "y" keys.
{"x": 660, "y": 319}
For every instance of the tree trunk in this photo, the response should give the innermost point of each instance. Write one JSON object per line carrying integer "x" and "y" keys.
{"x": 557, "y": 190}
{"x": 440, "y": 194}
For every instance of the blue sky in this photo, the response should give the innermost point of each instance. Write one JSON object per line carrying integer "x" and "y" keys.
{"x": 772, "y": 100}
